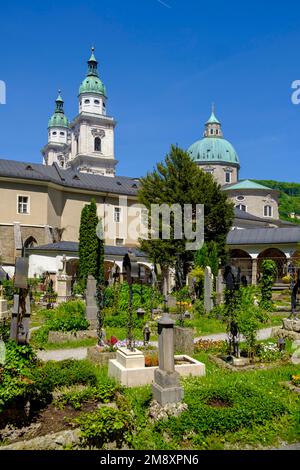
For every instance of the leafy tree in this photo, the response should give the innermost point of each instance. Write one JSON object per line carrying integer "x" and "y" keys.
{"x": 208, "y": 256}
{"x": 179, "y": 180}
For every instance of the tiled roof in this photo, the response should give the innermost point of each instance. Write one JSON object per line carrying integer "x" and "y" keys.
{"x": 66, "y": 247}
{"x": 68, "y": 178}
{"x": 264, "y": 236}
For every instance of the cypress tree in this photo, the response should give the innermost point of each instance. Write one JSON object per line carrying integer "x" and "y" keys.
{"x": 82, "y": 268}
{"x": 91, "y": 248}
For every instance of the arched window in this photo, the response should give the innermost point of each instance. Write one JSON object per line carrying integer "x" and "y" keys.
{"x": 86, "y": 101}
{"x": 268, "y": 211}
{"x": 96, "y": 102}
{"x": 97, "y": 144}
{"x": 30, "y": 242}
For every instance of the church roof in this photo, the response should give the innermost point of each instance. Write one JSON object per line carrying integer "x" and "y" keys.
{"x": 92, "y": 82}
{"x": 262, "y": 236}
{"x": 213, "y": 150}
{"x": 58, "y": 118}
{"x": 213, "y": 119}
{"x": 246, "y": 184}
{"x": 65, "y": 247}
{"x": 68, "y": 178}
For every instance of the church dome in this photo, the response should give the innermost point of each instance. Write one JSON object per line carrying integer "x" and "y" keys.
{"x": 58, "y": 118}
{"x": 213, "y": 148}
{"x": 92, "y": 82}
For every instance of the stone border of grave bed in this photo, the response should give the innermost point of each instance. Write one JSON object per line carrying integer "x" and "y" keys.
{"x": 260, "y": 365}
{"x": 60, "y": 337}
{"x": 291, "y": 386}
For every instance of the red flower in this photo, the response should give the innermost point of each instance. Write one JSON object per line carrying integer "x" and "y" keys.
{"x": 113, "y": 340}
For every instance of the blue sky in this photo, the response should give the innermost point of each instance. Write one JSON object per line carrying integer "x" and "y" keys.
{"x": 163, "y": 63}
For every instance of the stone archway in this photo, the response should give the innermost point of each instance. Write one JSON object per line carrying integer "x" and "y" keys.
{"x": 30, "y": 242}
{"x": 72, "y": 267}
{"x": 112, "y": 272}
{"x": 295, "y": 258}
{"x": 241, "y": 259}
{"x": 276, "y": 255}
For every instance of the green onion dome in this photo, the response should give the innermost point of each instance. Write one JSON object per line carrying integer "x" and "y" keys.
{"x": 92, "y": 82}
{"x": 58, "y": 118}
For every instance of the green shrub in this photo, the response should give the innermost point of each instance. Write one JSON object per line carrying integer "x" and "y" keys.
{"x": 117, "y": 298}
{"x": 105, "y": 425}
{"x": 103, "y": 393}
{"x": 198, "y": 308}
{"x": 63, "y": 373}
{"x": 68, "y": 316}
{"x": 9, "y": 289}
{"x": 269, "y": 272}
{"x": 14, "y": 381}
{"x": 119, "y": 321}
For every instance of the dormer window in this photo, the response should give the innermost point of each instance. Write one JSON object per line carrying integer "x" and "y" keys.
{"x": 268, "y": 211}
{"x": 241, "y": 207}
{"x": 97, "y": 144}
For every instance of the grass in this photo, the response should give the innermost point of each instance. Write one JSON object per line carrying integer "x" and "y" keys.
{"x": 80, "y": 343}
{"x": 206, "y": 325}
{"x": 195, "y": 429}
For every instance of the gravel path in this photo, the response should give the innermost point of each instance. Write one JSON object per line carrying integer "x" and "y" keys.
{"x": 81, "y": 353}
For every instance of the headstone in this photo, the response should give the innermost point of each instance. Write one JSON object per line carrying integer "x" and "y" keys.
{"x": 220, "y": 288}
{"x": 184, "y": 340}
{"x": 91, "y": 301}
{"x": 166, "y": 387}
{"x": 208, "y": 290}
{"x": 64, "y": 290}
{"x": 4, "y": 313}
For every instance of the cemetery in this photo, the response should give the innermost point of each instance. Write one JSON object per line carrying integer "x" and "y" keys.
{"x": 164, "y": 384}
{"x": 132, "y": 363}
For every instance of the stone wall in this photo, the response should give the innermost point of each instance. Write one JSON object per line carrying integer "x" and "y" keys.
{"x": 7, "y": 244}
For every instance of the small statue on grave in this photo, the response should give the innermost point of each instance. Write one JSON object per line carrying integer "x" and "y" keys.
{"x": 146, "y": 334}
{"x": 1, "y": 292}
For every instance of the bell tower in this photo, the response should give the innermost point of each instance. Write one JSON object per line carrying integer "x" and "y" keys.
{"x": 92, "y": 130}
{"x": 58, "y": 146}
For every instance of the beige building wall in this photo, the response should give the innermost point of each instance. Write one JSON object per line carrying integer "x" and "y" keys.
{"x": 255, "y": 201}
{"x": 9, "y": 192}
{"x": 219, "y": 172}
{"x": 129, "y": 217}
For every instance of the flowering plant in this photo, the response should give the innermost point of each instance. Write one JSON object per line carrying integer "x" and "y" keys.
{"x": 296, "y": 379}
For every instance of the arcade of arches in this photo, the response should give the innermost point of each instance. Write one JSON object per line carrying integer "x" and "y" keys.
{"x": 250, "y": 263}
